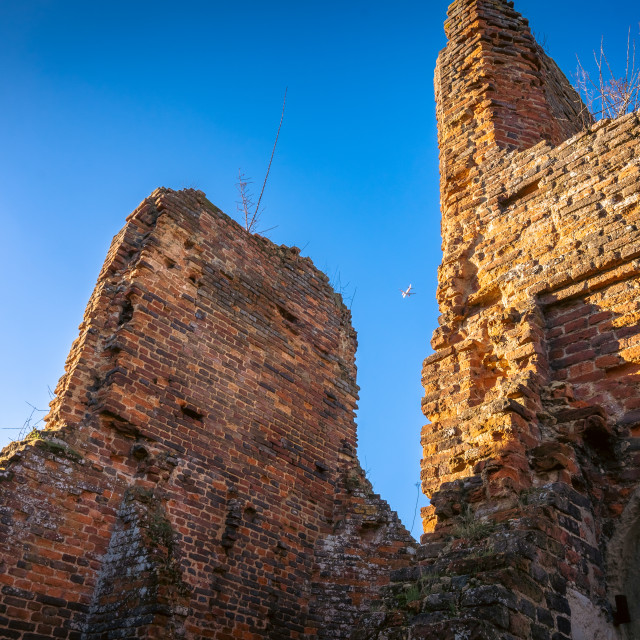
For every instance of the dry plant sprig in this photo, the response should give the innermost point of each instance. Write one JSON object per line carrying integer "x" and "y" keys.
{"x": 335, "y": 282}
{"x": 609, "y": 96}
{"x": 246, "y": 206}
{"x": 30, "y": 424}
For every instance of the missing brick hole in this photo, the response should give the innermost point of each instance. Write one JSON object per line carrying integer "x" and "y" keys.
{"x": 226, "y": 275}
{"x": 126, "y": 313}
{"x": 621, "y": 614}
{"x": 370, "y": 530}
{"x": 139, "y": 451}
{"x": 289, "y": 317}
{"x": 189, "y": 244}
{"x": 192, "y": 413}
{"x": 600, "y": 441}
{"x": 457, "y": 466}
{"x": 321, "y": 467}
{"x": 117, "y": 423}
{"x": 170, "y": 263}
{"x": 518, "y": 195}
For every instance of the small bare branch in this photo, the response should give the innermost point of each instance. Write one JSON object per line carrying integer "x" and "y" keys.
{"x": 251, "y": 212}
{"x": 264, "y": 184}
{"x": 245, "y": 204}
{"x": 29, "y": 424}
{"x": 610, "y": 96}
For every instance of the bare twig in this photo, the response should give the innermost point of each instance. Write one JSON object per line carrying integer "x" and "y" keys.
{"x": 335, "y": 282}
{"x": 415, "y": 511}
{"x": 541, "y": 40}
{"x": 610, "y": 96}
{"x": 352, "y": 298}
{"x": 264, "y": 184}
{"x": 246, "y": 206}
{"x": 29, "y": 425}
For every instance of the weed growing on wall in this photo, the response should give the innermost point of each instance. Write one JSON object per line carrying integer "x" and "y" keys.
{"x": 605, "y": 93}
{"x": 251, "y": 212}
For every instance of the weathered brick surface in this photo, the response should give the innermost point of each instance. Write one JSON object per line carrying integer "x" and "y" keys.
{"x": 198, "y": 477}
{"x": 369, "y": 541}
{"x": 199, "y": 451}
{"x": 527, "y": 251}
{"x": 530, "y": 456}
{"x": 539, "y": 281}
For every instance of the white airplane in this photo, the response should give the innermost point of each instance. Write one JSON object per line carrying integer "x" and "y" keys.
{"x": 408, "y": 292}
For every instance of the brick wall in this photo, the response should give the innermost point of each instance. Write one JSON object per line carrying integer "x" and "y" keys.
{"x": 197, "y": 450}
{"x": 547, "y": 220}
{"x": 496, "y": 88}
{"x": 594, "y": 343}
{"x": 530, "y": 455}
{"x": 198, "y": 477}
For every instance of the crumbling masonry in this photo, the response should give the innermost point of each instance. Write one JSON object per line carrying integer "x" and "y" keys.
{"x": 198, "y": 476}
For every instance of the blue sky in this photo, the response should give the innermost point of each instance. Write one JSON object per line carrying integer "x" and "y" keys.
{"x": 102, "y": 102}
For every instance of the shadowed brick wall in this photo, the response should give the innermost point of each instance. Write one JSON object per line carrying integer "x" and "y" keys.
{"x": 199, "y": 453}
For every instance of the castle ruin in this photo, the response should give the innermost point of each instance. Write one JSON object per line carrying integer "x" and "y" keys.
{"x": 198, "y": 475}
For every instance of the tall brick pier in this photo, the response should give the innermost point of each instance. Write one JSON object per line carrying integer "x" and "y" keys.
{"x": 531, "y": 458}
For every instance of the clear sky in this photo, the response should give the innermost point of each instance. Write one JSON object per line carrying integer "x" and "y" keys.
{"x": 102, "y": 102}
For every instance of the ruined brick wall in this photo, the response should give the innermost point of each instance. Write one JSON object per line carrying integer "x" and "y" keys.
{"x": 495, "y": 87}
{"x": 198, "y": 477}
{"x": 552, "y": 266}
{"x": 531, "y": 456}
{"x": 200, "y": 451}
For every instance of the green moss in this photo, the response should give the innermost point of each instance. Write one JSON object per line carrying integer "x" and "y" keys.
{"x": 58, "y": 448}
{"x": 356, "y": 479}
{"x": 160, "y": 530}
{"x": 159, "y": 537}
{"x": 472, "y": 529}
{"x": 140, "y": 494}
{"x": 420, "y": 589}
{"x": 412, "y": 594}
{"x": 161, "y": 534}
